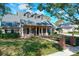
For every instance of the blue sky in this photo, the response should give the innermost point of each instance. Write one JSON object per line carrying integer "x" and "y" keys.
{"x": 22, "y": 7}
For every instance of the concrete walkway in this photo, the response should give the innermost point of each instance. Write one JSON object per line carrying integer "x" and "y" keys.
{"x": 67, "y": 52}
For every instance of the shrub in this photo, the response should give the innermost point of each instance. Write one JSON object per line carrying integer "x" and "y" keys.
{"x": 1, "y": 53}
{"x": 35, "y": 46}
{"x": 9, "y": 35}
{"x": 0, "y": 31}
{"x": 31, "y": 47}
{"x": 57, "y": 46}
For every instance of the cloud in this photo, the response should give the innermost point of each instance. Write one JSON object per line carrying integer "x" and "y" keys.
{"x": 24, "y": 6}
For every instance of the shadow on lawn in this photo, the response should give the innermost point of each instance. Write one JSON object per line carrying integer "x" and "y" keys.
{"x": 57, "y": 46}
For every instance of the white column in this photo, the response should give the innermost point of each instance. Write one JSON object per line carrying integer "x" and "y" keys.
{"x": 42, "y": 31}
{"x": 20, "y": 32}
{"x": 3, "y": 31}
{"x": 25, "y": 32}
{"x": 36, "y": 30}
{"x": 30, "y": 30}
{"x": 46, "y": 32}
{"x": 50, "y": 31}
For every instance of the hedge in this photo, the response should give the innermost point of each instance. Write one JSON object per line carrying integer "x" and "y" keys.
{"x": 9, "y": 35}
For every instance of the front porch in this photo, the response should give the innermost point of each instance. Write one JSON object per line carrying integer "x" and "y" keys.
{"x": 27, "y": 31}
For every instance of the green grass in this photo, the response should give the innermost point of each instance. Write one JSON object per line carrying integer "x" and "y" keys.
{"x": 77, "y": 54}
{"x": 73, "y": 32}
{"x": 33, "y": 46}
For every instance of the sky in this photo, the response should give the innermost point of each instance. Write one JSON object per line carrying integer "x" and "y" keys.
{"x": 23, "y": 7}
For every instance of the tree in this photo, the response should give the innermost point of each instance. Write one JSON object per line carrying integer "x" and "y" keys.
{"x": 4, "y": 9}
{"x": 68, "y": 12}
{"x": 57, "y": 23}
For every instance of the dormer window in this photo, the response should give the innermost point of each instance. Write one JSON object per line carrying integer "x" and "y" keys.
{"x": 32, "y": 15}
{"x": 35, "y": 15}
{"x": 38, "y": 16}
{"x": 41, "y": 16}
{"x": 28, "y": 14}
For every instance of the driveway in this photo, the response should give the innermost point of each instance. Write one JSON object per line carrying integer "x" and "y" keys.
{"x": 67, "y": 52}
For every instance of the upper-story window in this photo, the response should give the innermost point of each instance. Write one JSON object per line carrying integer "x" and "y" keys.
{"x": 32, "y": 15}
{"x": 41, "y": 16}
{"x": 35, "y": 15}
{"x": 27, "y": 14}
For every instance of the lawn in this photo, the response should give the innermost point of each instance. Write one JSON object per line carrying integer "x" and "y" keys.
{"x": 73, "y": 32}
{"x": 77, "y": 54}
{"x": 33, "y": 46}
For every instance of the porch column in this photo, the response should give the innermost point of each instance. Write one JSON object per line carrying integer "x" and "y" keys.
{"x": 42, "y": 31}
{"x": 30, "y": 30}
{"x": 22, "y": 32}
{"x": 25, "y": 33}
{"x": 46, "y": 31}
{"x": 3, "y": 31}
{"x": 36, "y": 30}
{"x": 50, "y": 31}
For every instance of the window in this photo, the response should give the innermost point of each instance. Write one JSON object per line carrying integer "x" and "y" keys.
{"x": 35, "y": 16}
{"x": 8, "y": 31}
{"x": 27, "y": 30}
{"x": 12, "y": 31}
{"x": 38, "y": 16}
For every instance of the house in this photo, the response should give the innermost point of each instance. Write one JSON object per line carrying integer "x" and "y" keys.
{"x": 68, "y": 27}
{"x": 27, "y": 24}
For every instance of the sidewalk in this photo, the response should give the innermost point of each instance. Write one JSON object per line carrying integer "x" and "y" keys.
{"x": 67, "y": 52}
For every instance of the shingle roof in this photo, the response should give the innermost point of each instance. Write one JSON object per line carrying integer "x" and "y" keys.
{"x": 26, "y": 22}
{"x": 10, "y": 24}
{"x": 15, "y": 20}
{"x": 37, "y": 23}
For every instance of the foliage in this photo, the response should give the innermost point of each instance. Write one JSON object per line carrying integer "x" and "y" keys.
{"x": 57, "y": 23}
{"x": 57, "y": 46}
{"x": 35, "y": 46}
{"x": 56, "y": 36}
{"x": 4, "y": 9}
{"x": 68, "y": 40}
{"x": 77, "y": 54}
{"x": 62, "y": 11}
{"x": 74, "y": 32}
{"x": 59, "y": 30}
{"x": 9, "y": 35}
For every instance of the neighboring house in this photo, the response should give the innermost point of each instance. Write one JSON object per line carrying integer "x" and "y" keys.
{"x": 67, "y": 27}
{"x": 27, "y": 24}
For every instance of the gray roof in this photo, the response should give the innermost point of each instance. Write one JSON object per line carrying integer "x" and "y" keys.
{"x": 10, "y": 24}
{"x": 36, "y": 23}
{"x": 26, "y": 22}
{"x": 15, "y": 20}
